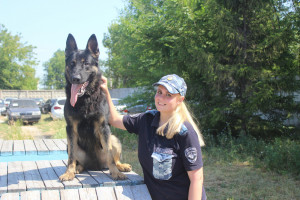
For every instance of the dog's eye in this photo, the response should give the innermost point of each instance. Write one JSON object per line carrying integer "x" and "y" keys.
{"x": 73, "y": 63}
{"x": 86, "y": 63}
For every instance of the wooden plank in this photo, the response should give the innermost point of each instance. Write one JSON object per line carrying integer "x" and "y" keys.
{"x": 102, "y": 178}
{"x": 70, "y": 194}
{"x": 65, "y": 140}
{"x": 134, "y": 177}
{"x": 10, "y": 196}
{"x": 61, "y": 145}
{"x": 19, "y": 148}
{"x": 106, "y": 193}
{"x": 16, "y": 180}
{"x": 30, "y": 148}
{"x": 31, "y": 195}
{"x": 7, "y": 148}
{"x": 48, "y": 175}
{"x": 32, "y": 176}
{"x": 41, "y": 147}
{"x": 123, "y": 192}
{"x": 60, "y": 168}
{"x": 50, "y": 195}
{"x": 85, "y": 179}
{"x": 118, "y": 182}
{"x": 140, "y": 192}
{"x": 88, "y": 194}
{"x": 51, "y": 146}
{"x": 1, "y": 142}
{"x": 3, "y": 177}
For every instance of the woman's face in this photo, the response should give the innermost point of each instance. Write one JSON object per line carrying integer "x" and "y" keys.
{"x": 165, "y": 101}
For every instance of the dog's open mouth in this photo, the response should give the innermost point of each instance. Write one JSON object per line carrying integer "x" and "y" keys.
{"x": 77, "y": 90}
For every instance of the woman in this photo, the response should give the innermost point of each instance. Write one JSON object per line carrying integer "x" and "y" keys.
{"x": 169, "y": 142}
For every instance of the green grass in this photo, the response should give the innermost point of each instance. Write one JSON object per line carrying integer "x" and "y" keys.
{"x": 55, "y": 128}
{"x": 224, "y": 179}
{"x": 12, "y": 132}
{"x": 230, "y": 170}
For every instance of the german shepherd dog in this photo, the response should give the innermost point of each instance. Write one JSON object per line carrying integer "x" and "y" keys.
{"x": 90, "y": 142}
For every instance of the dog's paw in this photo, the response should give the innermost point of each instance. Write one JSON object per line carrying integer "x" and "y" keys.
{"x": 124, "y": 167}
{"x": 79, "y": 169}
{"x": 68, "y": 176}
{"x": 118, "y": 176}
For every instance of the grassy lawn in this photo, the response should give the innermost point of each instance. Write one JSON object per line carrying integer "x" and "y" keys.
{"x": 223, "y": 179}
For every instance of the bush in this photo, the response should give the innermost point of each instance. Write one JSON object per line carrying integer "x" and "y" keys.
{"x": 281, "y": 155}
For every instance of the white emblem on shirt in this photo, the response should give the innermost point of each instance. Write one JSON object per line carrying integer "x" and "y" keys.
{"x": 191, "y": 154}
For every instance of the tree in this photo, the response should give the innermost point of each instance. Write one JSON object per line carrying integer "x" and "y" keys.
{"x": 239, "y": 58}
{"x": 55, "y": 71}
{"x": 16, "y": 63}
{"x": 253, "y": 65}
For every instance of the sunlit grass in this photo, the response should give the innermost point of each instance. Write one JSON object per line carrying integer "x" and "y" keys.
{"x": 226, "y": 180}
{"x": 55, "y": 128}
{"x": 12, "y": 132}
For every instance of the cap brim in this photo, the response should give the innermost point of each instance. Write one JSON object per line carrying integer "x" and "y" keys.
{"x": 170, "y": 88}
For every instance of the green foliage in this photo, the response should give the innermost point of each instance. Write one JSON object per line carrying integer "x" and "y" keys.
{"x": 240, "y": 59}
{"x": 55, "y": 71}
{"x": 280, "y": 155}
{"x": 283, "y": 156}
{"x": 16, "y": 63}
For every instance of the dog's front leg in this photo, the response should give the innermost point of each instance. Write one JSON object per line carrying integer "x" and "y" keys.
{"x": 103, "y": 131}
{"x": 72, "y": 137}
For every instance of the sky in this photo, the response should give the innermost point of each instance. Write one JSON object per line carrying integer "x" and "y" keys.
{"x": 46, "y": 24}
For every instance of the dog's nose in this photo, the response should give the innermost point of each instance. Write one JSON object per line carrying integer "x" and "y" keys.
{"x": 76, "y": 79}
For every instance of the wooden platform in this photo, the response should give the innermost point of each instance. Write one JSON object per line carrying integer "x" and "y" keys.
{"x": 39, "y": 179}
{"x": 32, "y": 147}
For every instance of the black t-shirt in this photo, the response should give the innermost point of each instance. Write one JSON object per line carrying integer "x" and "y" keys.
{"x": 165, "y": 162}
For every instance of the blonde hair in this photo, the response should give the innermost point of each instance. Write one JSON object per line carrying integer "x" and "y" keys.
{"x": 174, "y": 124}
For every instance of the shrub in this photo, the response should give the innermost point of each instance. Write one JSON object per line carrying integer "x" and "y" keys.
{"x": 281, "y": 155}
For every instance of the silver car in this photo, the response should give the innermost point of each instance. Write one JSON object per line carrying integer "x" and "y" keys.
{"x": 57, "y": 109}
{"x": 23, "y": 109}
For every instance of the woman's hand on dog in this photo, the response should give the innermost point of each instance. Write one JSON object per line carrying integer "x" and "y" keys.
{"x": 103, "y": 84}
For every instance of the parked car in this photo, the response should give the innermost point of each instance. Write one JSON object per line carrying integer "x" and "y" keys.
{"x": 39, "y": 102}
{"x": 6, "y": 103}
{"x": 46, "y": 107}
{"x": 2, "y": 106}
{"x": 121, "y": 108}
{"x": 138, "y": 108}
{"x": 57, "y": 110}
{"x": 23, "y": 109}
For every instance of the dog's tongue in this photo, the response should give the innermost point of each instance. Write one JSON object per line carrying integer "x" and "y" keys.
{"x": 74, "y": 93}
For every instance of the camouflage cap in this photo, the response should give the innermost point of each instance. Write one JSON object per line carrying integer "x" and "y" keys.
{"x": 173, "y": 83}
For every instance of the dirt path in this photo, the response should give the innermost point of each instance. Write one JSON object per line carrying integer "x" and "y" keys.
{"x": 29, "y": 130}
{"x": 34, "y": 132}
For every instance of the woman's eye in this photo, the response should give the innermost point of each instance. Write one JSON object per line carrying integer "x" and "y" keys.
{"x": 169, "y": 95}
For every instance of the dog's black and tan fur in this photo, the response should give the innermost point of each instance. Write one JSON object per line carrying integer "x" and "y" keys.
{"x": 90, "y": 142}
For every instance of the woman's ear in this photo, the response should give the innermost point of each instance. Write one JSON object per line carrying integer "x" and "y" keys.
{"x": 180, "y": 100}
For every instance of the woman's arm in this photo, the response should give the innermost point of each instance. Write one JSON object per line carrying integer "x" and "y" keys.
{"x": 115, "y": 118}
{"x": 196, "y": 178}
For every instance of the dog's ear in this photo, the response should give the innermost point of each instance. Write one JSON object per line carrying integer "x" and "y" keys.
{"x": 70, "y": 45}
{"x": 92, "y": 46}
